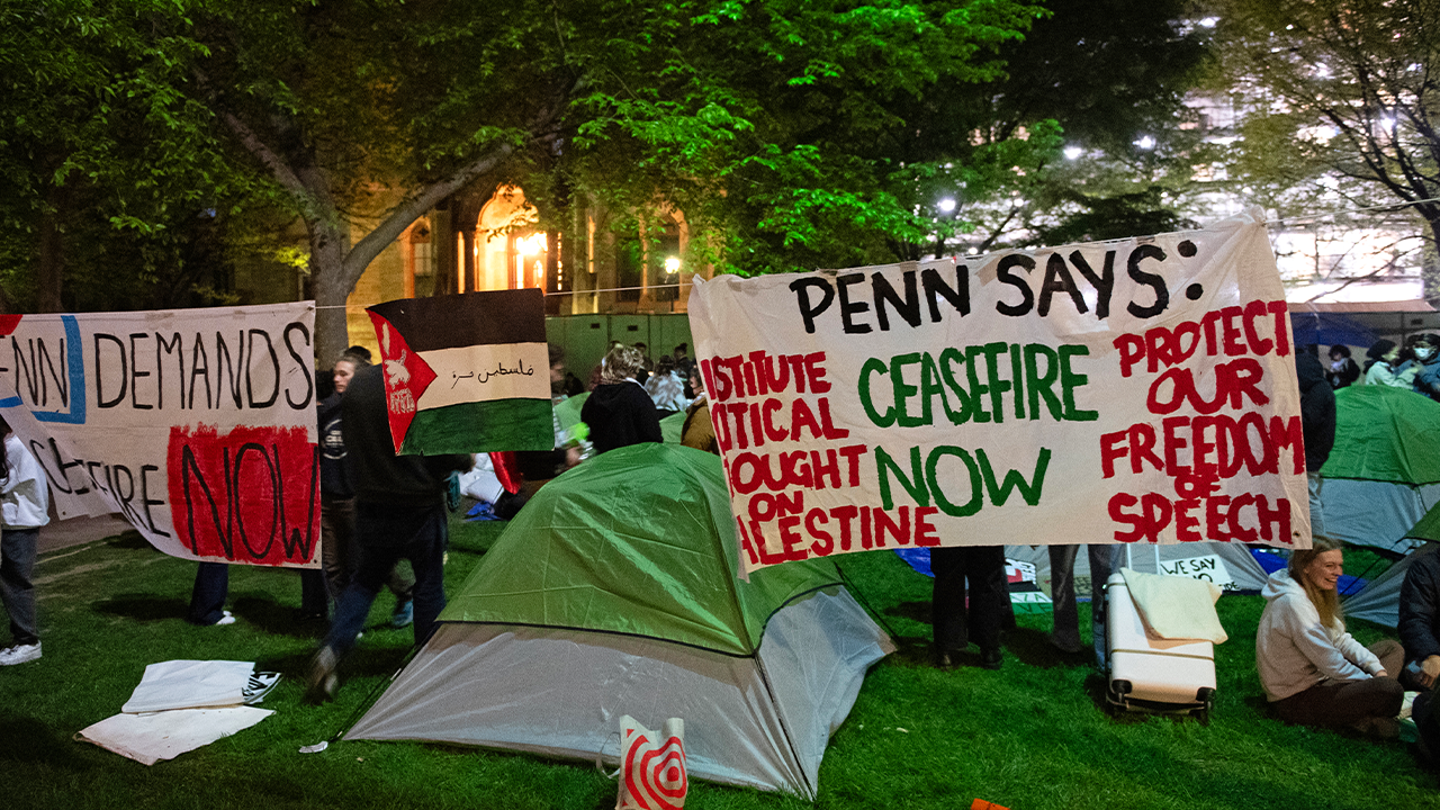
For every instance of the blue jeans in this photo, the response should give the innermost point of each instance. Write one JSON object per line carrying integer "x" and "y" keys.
{"x": 207, "y": 598}
{"x": 18, "y": 548}
{"x": 387, "y": 534}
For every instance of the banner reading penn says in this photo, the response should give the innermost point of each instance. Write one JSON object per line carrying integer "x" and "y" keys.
{"x": 466, "y": 373}
{"x": 198, "y": 426}
{"x": 1128, "y": 391}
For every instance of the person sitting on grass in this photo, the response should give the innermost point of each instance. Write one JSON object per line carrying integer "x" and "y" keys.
{"x": 1315, "y": 673}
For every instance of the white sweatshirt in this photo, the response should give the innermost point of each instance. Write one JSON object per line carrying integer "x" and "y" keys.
{"x": 1293, "y": 650}
{"x": 24, "y": 494}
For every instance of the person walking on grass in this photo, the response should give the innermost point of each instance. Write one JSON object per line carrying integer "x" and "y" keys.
{"x": 400, "y": 514}
{"x": 25, "y": 503}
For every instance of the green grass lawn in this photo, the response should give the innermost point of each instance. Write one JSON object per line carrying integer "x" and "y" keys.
{"x": 1033, "y": 735}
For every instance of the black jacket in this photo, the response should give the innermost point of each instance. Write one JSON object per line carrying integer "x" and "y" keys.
{"x": 620, "y": 414}
{"x": 380, "y": 476}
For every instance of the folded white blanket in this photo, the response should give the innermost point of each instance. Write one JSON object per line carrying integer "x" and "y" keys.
{"x": 1176, "y": 607}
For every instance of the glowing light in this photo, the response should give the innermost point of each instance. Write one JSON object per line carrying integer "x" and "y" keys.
{"x": 947, "y": 205}
{"x": 1073, "y": 152}
{"x": 672, "y": 265}
{"x": 1145, "y": 142}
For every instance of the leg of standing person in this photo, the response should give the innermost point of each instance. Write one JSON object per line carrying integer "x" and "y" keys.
{"x": 338, "y": 555}
{"x": 1104, "y": 560}
{"x": 985, "y": 571}
{"x": 1065, "y": 631}
{"x": 314, "y": 595}
{"x": 207, "y": 598}
{"x": 18, "y": 550}
{"x": 947, "y": 604}
{"x": 427, "y": 556}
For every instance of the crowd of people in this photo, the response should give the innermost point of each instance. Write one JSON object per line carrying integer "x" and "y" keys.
{"x": 1415, "y": 366}
{"x": 384, "y": 519}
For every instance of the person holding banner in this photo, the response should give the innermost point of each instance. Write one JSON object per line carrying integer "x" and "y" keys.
{"x": 25, "y": 505}
{"x": 400, "y": 514}
{"x": 954, "y": 623}
{"x": 1315, "y": 673}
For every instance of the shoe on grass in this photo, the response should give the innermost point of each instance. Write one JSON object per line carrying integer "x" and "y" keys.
{"x": 992, "y": 659}
{"x": 404, "y": 614}
{"x": 19, "y": 654}
{"x": 321, "y": 682}
{"x": 226, "y": 617}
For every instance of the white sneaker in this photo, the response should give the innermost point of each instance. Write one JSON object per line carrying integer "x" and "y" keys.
{"x": 226, "y": 617}
{"x": 19, "y": 654}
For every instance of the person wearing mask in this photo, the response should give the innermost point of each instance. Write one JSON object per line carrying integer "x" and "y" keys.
{"x": 25, "y": 505}
{"x": 1426, "y": 351}
{"x": 1387, "y": 366}
{"x": 1314, "y": 673}
{"x": 619, "y": 412}
{"x": 1343, "y": 371}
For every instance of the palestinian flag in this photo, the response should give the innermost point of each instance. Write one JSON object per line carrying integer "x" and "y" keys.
{"x": 466, "y": 373}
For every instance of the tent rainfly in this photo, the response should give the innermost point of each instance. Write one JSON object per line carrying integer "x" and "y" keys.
{"x": 613, "y": 592}
{"x": 1383, "y": 474}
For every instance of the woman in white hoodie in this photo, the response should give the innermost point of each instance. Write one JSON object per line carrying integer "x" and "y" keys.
{"x": 1315, "y": 673}
{"x": 25, "y": 504}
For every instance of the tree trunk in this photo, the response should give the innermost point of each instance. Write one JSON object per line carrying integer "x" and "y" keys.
{"x": 328, "y": 249}
{"x": 50, "y": 274}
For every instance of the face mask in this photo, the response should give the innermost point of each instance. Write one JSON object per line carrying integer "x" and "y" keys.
{"x": 1424, "y": 353}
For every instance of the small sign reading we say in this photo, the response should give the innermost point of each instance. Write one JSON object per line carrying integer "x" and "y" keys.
{"x": 1209, "y": 568}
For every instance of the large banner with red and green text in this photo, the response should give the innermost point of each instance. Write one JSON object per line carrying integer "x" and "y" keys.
{"x": 197, "y": 426}
{"x": 1138, "y": 390}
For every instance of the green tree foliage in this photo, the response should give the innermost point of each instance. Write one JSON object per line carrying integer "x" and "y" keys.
{"x": 108, "y": 172}
{"x": 380, "y": 109}
{"x": 1113, "y": 75}
{"x": 1343, "y": 98}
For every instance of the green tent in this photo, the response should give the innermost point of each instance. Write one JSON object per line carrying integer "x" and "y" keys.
{"x": 586, "y": 562}
{"x": 1385, "y": 434}
{"x": 1383, "y": 473}
{"x": 613, "y": 592}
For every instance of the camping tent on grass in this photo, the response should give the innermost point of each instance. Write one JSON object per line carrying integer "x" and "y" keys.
{"x": 1384, "y": 471}
{"x": 1380, "y": 601}
{"x": 613, "y": 592}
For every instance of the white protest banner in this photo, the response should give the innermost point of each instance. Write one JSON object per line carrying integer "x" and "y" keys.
{"x": 198, "y": 426}
{"x": 1139, "y": 390}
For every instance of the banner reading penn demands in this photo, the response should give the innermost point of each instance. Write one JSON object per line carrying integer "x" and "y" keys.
{"x": 198, "y": 426}
{"x": 1128, "y": 391}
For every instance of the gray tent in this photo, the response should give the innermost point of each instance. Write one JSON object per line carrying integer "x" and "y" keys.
{"x": 614, "y": 592}
{"x": 1227, "y": 564}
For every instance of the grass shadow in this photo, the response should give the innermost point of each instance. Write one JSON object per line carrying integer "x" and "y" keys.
{"x": 915, "y": 611}
{"x": 129, "y": 539}
{"x": 275, "y": 618}
{"x": 1033, "y": 647}
{"x": 143, "y": 607}
{"x": 27, "y": 740}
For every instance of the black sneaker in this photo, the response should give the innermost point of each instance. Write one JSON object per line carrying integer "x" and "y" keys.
{"x": 992, "y": 659}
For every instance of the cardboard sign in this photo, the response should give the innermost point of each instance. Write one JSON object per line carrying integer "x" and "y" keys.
{"x": 198, "y": 426}
{"x": 1132, "y": 391}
